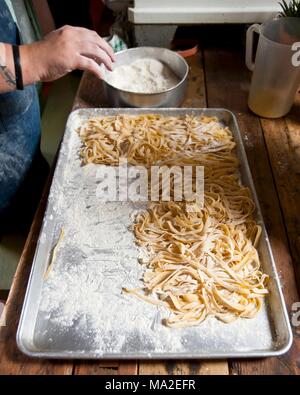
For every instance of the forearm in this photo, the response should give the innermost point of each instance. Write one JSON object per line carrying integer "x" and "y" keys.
{"x": 7, "y": 68}
{"x": 60, "y": 52}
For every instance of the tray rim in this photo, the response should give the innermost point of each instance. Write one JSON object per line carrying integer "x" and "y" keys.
{"x": 156, "y": 356}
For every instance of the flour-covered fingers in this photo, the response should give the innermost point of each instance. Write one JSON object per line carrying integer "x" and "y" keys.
{"x": 87, "y": 64}
{"x": 92, "y": 51}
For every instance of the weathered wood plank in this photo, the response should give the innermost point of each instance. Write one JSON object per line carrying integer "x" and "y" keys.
{"x": 184, "y": 368}
{"x": 227, "y": 86}
{"x": 105, "y": 367}
{"x": 209, "y": 368}
{"x": 195, "y": 94}
{"x": 96, "y": 368}
{"x": 164, "y": 367}
{"x": 128, "y": 367}
{"x": 90, "y": 93}
{"x": 283, "y": 142}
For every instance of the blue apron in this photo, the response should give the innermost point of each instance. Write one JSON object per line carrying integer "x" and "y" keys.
{"x": 19, "y": 125}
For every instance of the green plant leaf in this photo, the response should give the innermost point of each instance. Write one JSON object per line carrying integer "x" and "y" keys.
{"x": 291, "y": 9}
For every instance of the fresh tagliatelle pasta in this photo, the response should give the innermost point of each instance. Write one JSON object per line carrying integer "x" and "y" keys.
{"x": 151, "y": 139}
{"x": 201, "y": 262}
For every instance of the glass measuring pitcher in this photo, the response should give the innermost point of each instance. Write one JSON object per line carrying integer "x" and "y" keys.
{"x": 276, "y": 71}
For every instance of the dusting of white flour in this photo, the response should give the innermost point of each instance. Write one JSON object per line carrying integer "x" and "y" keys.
{"x": 145, "y": 75}
{"x": 82, "y": 307}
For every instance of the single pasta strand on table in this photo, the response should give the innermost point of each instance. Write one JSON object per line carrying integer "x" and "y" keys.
{"x": 200, "y": 262}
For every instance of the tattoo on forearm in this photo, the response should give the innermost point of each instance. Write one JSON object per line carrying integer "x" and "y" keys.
{"x": 7, "y": 75}
{"x": 4, "y": 70}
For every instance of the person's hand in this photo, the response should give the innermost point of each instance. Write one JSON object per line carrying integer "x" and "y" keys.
{"x": 64, "y": 50}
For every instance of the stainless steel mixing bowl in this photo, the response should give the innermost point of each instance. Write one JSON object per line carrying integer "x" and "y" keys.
{"x": 171, "y": 97}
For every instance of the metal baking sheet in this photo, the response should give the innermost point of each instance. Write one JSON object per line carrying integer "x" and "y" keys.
{"x": 66, "y": 317}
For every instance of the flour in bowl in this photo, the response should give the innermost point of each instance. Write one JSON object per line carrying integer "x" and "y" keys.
{"x": 144, "y": 75}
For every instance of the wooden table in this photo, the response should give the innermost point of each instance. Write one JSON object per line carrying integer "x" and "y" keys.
{"x": 218, "y": 78}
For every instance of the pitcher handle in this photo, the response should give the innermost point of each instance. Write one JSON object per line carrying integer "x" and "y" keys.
{"x": 249, "y": 45}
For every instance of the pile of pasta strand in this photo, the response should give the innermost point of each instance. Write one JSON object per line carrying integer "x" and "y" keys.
{"x": 201, "y": 262}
